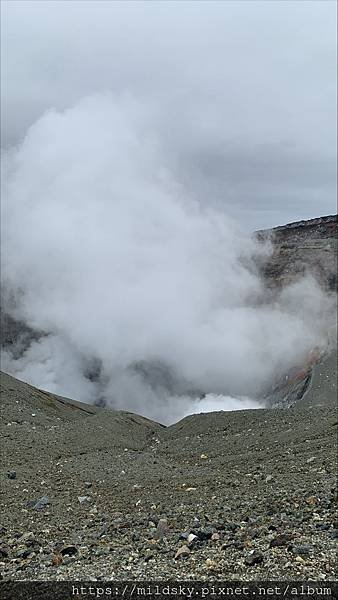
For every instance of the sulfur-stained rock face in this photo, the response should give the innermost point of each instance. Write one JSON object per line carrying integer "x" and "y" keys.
{"x": 304, "y": 247}
{"x": 314, "y": 383}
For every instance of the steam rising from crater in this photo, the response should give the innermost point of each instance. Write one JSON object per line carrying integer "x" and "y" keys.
{"x": 150, "y": 301}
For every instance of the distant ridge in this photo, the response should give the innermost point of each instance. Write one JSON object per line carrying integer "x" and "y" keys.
{"x": 308, "y": 223}
{"x": 304, "y": 223}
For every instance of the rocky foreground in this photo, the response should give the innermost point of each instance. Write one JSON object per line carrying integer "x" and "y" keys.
{"x": 94, "y": 494}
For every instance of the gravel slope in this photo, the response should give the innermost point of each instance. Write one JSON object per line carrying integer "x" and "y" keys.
{"x": 255, "y": 487}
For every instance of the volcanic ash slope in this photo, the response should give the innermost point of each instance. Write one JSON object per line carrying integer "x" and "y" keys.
{"x": 90, "y": 493}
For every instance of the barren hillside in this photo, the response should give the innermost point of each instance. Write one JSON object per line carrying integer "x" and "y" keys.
{"x": 89, "y": 493}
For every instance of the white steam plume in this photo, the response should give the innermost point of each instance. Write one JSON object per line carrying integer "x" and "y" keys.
{"x": 104, "y": 252}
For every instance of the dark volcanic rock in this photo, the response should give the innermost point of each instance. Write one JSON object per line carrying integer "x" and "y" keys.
{"x": 280, "y": 540}
{"x": 255, "y": 558}
{"x": 303, "y": 247}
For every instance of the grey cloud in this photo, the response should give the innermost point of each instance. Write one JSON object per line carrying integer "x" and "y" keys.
{"x": 121, "y": 267}
{"x": 236, "y": 91}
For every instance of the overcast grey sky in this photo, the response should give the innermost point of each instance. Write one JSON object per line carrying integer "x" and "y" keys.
{"x": 241, "y": 95}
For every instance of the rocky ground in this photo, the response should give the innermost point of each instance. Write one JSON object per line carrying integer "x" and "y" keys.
{"x": 95, "y": 494}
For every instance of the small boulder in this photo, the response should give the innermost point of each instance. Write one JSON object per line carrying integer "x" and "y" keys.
{"x": 42, "y": 503}
{"x": 182, "y": 552}
{"x": 280, "y": 540}
{"x": 211, "y": 564}
{"x": 191, "y": 539}
{"x": 56, "y": 559}
{"x": 204, "y": 534}
{"x": 302, "y": 549}
{"x": 3, "y": 551}
{"x": 254, "y": 558}
{"x": 69, "y": 550}
{"x": 83, "y": 499}
{"x": 162, "y": 529}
